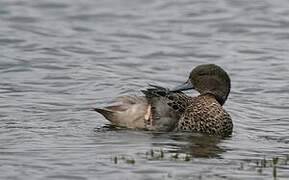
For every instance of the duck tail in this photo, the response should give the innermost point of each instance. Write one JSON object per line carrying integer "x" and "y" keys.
{"x": 107, "y": 113}
{"x": 129, "y": 113}
{"x": 112, "y": 113}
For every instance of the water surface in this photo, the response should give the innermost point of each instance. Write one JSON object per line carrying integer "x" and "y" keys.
{"x": 60, "y": 58}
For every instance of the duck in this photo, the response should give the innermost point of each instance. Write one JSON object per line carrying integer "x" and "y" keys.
{"x": 164, "y": 109}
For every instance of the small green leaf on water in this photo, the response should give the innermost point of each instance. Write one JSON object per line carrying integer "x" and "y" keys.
{"x": 130, "y": 161}
{"x": 275, "y": 160}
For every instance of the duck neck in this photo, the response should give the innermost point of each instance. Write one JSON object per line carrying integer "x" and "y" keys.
{"x": 221, "y": 99}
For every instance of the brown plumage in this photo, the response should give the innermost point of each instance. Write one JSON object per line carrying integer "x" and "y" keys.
{"x": 206, "y": 115}
{"x": 162, "y": 109}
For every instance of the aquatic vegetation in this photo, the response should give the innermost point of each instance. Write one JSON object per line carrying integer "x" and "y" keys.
{"x": 260, "y": 166}
{"x": 130, "y": 161}
{"x": 123, "y": 159}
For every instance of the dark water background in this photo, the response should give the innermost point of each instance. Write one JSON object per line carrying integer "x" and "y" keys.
{"x": 60, "y": 58}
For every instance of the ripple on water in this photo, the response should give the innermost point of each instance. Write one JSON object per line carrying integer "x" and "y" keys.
{"x": 59, "y": 59}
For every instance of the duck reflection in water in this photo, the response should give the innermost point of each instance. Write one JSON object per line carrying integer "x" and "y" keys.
{"x": 182, "y": 143}
{"x": 193, "y": 144}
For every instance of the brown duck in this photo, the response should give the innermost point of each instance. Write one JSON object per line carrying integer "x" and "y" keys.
{"x": 162, "y": 109}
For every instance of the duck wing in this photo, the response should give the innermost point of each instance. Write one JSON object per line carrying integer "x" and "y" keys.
{"x": 158, "y": 110}
{"x": 166, "y": 107}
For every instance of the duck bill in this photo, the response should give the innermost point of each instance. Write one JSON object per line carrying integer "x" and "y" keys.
{"x": 183, "y": 87}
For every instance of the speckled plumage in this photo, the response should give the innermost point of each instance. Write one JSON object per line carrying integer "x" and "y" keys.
{"x": 206, "y": 115}
{"x": 165, "y": 110}
{"x": 202, "y": 114}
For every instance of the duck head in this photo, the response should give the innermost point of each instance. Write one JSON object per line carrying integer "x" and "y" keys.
{"x": 208, "y": 79}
